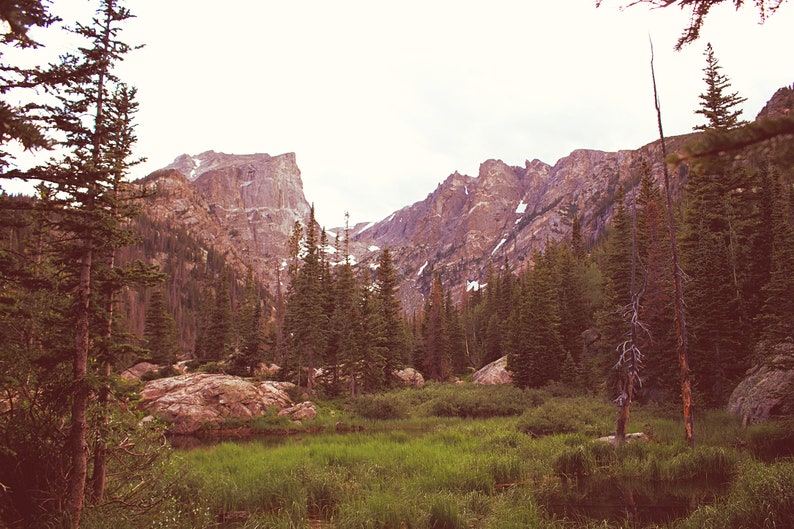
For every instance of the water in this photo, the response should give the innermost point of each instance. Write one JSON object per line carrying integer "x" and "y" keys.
{"x": 631, "y": 503}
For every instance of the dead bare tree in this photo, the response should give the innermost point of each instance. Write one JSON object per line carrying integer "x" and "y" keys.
{"x": 630, "y": 357}
{"x": 682, "y": 338}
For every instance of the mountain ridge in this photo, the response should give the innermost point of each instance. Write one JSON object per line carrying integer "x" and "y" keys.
{"x": 247, "y": 206}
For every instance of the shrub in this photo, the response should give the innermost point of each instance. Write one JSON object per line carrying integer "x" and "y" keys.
{"x": 214, "y": 368}
{"x": 579, "y": 414}
{"x": 476, "y": 401}
{"x": 381, "y": 407}
{"x": 163, "y": 372}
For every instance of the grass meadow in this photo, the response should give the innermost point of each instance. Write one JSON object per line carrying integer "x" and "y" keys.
{"x": 455, "y": 457}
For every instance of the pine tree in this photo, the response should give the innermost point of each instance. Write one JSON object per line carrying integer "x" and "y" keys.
{"x": 390, "y": 339}
{"x": 536, "y": 354}
{"x": 719, "y": 217}
{"x": 568, "y": 274}
{"x": 17, "y": 123}
{"x": 371, "y": 356}
{"x": 343, "y": 350}
{"x": 160, "y": 330}
{"x": 88, "y": 109}
{"x": 492, "y": 328}
{"x": 777, "y": 314}
{"x": 220, "y": 333}
{"x": 616, "y": 264}
{"x": 305, "y": 319}
{"x": 716, "y": 104}
{"x": 84, "y": 177}
{"x": 456, "y": 337}
{"x": 657, "y": 344}
{"x": 436, "y": 362}
{"x": 248, "y": 351}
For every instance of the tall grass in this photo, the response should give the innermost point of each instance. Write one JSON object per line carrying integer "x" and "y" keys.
{"x": 485, "y": 459}
{"x": 762, "y": 497}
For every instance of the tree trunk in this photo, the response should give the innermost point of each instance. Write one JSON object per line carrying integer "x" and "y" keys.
{"x": 100, "y": 452}
{"x": 78, "y": 447}
{"x": 682, "y": 338}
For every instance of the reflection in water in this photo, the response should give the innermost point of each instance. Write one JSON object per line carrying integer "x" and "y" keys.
{"x": 633, "y": 503}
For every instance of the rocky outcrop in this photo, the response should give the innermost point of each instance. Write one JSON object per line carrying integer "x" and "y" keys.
{"x": 199, "y": 401}
{"x": 494, "y": 373}
{"x": 780, "y": 105}
{"x": 138, "y": 370}
{"x": 767, "y": 392}
{"x": 302, "y": 411}
{"x": 411, "y": 377}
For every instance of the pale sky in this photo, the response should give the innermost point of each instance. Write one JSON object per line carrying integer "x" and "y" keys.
{"x": 381, "y": 101}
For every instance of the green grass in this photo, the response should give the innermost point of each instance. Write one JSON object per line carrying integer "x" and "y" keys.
{"x": 486, "y": 464}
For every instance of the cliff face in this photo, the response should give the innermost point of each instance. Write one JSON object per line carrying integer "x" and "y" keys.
{"x": 245, "y": 206}
{"x": 505, "y": 212}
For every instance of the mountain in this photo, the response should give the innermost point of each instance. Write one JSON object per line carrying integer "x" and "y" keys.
{"x": 504, "y": 214}
{"x": 243, "y": 206}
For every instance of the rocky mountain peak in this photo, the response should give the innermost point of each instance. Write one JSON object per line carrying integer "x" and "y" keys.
{"x": 243, "y": 205}
{"x": 780, "y": 105}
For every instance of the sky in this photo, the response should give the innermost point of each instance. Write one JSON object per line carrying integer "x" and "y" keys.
{"x": 381, "y": 101}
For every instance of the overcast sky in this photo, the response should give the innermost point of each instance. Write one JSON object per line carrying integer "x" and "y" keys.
{"x": 381, "y": 101}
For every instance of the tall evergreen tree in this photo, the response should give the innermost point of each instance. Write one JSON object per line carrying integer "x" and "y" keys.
{"x": 248, "y": 351}
{"x": 93, "y": 133}
{"x": 159, "y": 331}
{"x": 658, "y": 343}
{"x": 305, "y": 319}
{"x": 616, "y": 267}
{"x": 343, "y": 350}
{"x": 536, "y": 354}
{"x": 83, "y": 180}
{"x": 436, "y": 362}
{"x": 777, "y": 314}
{"x": 220, "y": 332}
{"x": 456, "y": 338}
{"x": 716, "y": 104}
{"x": 718, "y": 218}
{"x": 370, "y": 354}
{"x": 390, "y": 339}
{"x": 569, "y": 275}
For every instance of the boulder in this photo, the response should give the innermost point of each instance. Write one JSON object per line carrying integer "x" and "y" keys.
{"x": 301, "y": 411}
{"x": 767, "y": 391}
{"x": 411, "y": 377}
{"x": 137, "y": 371}
{"x": 494, "y": 373}
{"x": 196, "y": 401}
